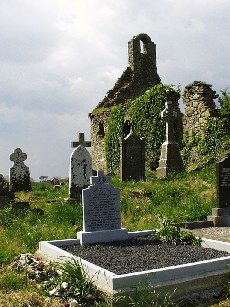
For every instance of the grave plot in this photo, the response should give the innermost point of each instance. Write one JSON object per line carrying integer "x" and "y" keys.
{"x": 101, "y": 226}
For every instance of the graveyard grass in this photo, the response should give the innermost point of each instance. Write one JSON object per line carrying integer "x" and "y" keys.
{"x": 179, "y": 198}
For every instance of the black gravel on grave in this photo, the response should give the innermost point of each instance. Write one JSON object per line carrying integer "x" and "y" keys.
{"x": 141, "y": 254}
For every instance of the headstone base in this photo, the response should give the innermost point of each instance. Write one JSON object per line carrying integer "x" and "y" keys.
{"x": 73, "y": 200}
{"x": 220, "y": 217}
{"x": 170, "y": 160}
{"x": 102, "y": 236}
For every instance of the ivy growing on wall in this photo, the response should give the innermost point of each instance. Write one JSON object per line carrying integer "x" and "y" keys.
{"x": 224, "y": 101}
{"x": 112, "y": 139}
{"x": 147, "y": 123}
{"x": 144, "y": 114}
{"x": 213, "y": 142}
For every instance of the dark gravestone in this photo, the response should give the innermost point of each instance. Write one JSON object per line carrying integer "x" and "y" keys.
{"x": 19, "y": 172}
{"x": 4, "y": 192}
{"x": 101, "y": 212}
{"x": 55, "y": 181}
{"x": 221, "y": 214}
{"x": 170, "y": 159}
{"x": 223, "y": 183}
{"x": 132, "y": 158}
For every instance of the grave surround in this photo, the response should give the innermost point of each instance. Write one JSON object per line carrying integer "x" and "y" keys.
{"x": 198, "y": 278}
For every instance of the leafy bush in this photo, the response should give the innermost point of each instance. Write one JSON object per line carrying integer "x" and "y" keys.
{"x": 224, "y": 101}
{"x": 171, "y": 233}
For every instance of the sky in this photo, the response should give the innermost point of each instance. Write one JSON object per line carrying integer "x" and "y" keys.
{"x": 58, "y": 59}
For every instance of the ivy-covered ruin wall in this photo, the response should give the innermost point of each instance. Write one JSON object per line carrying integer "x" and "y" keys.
{"x": 198, "y": 98}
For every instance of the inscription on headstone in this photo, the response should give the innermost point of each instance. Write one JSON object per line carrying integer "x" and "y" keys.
{"x": 132, "y": 158}
{"x": 19, "y": 172}
{"x": 101, "y": 205}
{"x": 223, "y": 183}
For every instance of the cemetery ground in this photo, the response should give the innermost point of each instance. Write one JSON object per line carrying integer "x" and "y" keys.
{"x": 178, "y": 198}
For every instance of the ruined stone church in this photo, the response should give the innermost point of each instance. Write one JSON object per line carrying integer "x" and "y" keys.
{"x": 139, "y": 76}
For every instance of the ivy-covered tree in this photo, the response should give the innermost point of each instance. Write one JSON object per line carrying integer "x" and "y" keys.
{"x": 224, "y": 101}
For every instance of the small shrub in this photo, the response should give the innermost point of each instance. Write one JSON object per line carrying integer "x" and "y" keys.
{"x": 171, "y": 233}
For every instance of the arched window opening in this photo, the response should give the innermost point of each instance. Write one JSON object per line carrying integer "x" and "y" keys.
{"x": 101, "y": 130}
{"x": 142, "y": 47}
{"x": 126, "y": 128}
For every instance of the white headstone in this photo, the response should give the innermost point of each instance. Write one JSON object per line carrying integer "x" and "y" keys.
{"x": 101, "y": 205}
{"x": 101, "y": 212}
{"x": 80, "y": 171}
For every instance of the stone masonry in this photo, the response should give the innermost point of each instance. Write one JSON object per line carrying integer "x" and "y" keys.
{"x": 139, "y": 76}
{"x": 199, "y": 106}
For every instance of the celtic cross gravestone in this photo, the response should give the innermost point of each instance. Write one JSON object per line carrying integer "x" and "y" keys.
{"x": 19, "y": 172}
{"x": 170, "y": 159}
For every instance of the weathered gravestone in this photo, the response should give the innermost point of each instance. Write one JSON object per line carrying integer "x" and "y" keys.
{"x": 80, "y": 172}
{"x": 221, "y": 214}
{"x": 55, "y": 181}
{"x": 4, "y": 192}
{"x": 19, "y": 172}
{"x": 101, "y": 212}
{"x": 132, "y": 158}
{"x": 170, "y": 159}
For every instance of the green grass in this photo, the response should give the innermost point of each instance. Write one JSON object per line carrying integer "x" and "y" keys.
{"x": 179, "y": 198}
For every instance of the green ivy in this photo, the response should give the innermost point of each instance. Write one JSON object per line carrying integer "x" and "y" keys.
{"x": 224, "y": 101}
{"x": 147, "y": 123}
{"x": 211, "y": 145}
{"x": 144, "y": 114}
{"x": 212, "y": 139}
{"x": 112, "y": 139}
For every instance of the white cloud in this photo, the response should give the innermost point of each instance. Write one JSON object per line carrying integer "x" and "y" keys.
{"x": 59, "y": 58}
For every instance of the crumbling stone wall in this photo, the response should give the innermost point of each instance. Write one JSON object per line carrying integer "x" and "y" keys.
{"x": 139, "y": 76}
{"x": 199, "y": 106}
{"x": 99, "y": 126}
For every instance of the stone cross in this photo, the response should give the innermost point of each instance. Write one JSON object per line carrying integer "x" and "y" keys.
{"x": 168, "y": 114}
{"x": 18, "y": 157}
{"x": 81, "y": 141}
{"x": 100, "y": 179}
